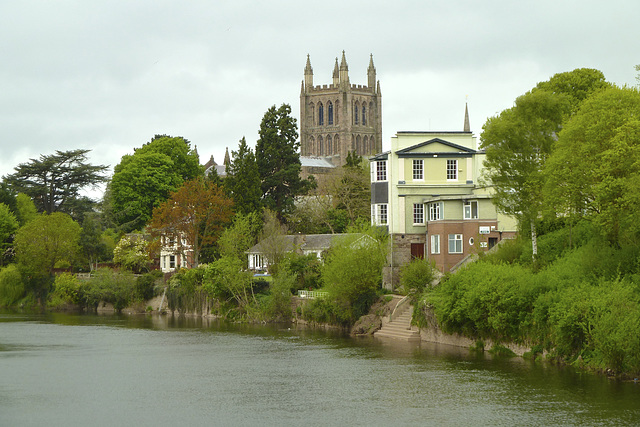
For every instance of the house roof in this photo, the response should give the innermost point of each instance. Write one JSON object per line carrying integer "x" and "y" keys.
{"x": 302, "y": 242}
{"x": 411, "y": 151}
{"x": 316, "y": 162}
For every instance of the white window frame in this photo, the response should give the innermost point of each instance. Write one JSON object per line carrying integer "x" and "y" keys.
{"x": 172, "y": 261}
{"x": 452, "y": 169}
{"x": 456, "y": 241}
{"x": 435, "y": 211}
{"x": 379, "y": 172}
{"x": 435, "y": 244}
{"x": 418, "y": 214}
{"x": 468, "y": 210}
{"x": 380, "y": 214}
{"x": 418, "y": 170}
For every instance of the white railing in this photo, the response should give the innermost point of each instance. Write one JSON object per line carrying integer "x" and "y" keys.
{"x": 312, "y": 294}
{"x": 397, "y": 311}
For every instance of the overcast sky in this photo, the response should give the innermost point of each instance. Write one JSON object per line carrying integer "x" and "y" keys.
{"x": 109, "y": 75}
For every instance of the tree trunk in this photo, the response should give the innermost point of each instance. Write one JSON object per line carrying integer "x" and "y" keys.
{"x": 534, "y": 241}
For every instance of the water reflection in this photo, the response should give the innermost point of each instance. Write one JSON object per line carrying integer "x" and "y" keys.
{"x": 164, "y": 369}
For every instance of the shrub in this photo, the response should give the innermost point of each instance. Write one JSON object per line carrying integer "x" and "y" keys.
{"x": 352, "y": 273}
{"x": 416, "y": 276}
{"x": 12, "y": 287}
{"x": 66, "y": 290}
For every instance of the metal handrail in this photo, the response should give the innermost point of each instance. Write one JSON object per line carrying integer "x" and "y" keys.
{"x": 395, "y": 313}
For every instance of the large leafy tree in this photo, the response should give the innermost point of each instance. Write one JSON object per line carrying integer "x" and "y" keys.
{"x": 186, "y": 161}
{"x": 42, "y": 243}
{"x": 54, "y": 181}
{"x": 519, "y": 141}
{"x": 140, "y": 183}
{"x": 595, "y": 170}
{"x": 143, "y": 180}
{"x": 196, "y": 213}
{"x": 8, "y": 226}
{"x": 279, "y": 161}
{"x": 243, "y": 180}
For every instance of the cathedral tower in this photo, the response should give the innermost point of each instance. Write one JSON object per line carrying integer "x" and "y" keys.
{"x": 340, "y": 117}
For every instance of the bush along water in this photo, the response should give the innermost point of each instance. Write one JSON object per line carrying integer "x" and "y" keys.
{"x": 581, "y": 306}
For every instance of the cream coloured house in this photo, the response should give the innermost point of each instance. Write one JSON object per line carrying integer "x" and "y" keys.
{"x": 426, "y": 191}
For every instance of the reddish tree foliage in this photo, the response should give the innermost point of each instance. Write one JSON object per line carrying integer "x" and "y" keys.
{"x": 193, "y": 216}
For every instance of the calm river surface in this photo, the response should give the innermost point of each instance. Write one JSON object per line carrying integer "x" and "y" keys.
{"x": 81, "y": 370}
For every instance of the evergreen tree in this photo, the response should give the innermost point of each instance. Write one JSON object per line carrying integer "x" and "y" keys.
{"x": 54, "y": 181}
{"x": 279, "y": 161}
{"x": 243, "y": 180}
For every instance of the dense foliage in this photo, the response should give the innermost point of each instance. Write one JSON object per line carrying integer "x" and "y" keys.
{"x": 145, "y": 179}
{"x": 582, "y": 307}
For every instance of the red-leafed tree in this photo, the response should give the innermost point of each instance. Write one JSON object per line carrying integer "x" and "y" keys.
{"x": 193, "y": 216}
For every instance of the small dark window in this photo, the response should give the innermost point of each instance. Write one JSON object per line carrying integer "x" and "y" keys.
{"x": 330, "y": 107}
{"x": 320, "y": 115}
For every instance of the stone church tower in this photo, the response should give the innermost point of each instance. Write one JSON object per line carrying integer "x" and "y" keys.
{"x": 340, "y": 117}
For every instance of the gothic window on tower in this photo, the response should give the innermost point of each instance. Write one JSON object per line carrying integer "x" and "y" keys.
{"x": 356, "y": 114}
{"x": 330, "y": 108}
{"x": 320, "y": 146}
{"x": 320, "y": 114}
{"x": 337, "y": 117}
{"x": 364, "y": 115}
{"x": 329, "y": 146}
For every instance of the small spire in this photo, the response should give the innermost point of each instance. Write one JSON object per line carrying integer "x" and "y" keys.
{"x": 227, "y": 159}
{"x": 344, "y": 70}
{"x": 308, "y": 74}
{"x": 371, "y": 66}
{"x": 343, "y": 63}
{"x": 336, "y": 73}
{"x": 467, "y": 126}
{"x": 308, "y": 68}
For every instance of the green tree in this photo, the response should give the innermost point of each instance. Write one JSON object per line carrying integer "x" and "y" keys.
{"x": 25, "y": 209}
{"x": 577, "y": 85}
{"x": 595, "y": 169}
{"x": 273, "y": 241}
{"x": 240, "y": 236}
{"x": 8, "y": 226}
{"x": 54, "y": 181}
{"x": 44, "y": 242}
{"x": 225, "y": 278}
{"x": 143, "y": 180}
{"x": 518, "y": 143}
{"x": 140, "y": 183}
{"x": 279, "y": 161}
{"x": 186, "y": 161}
{"x": 11, "y": 285}
{"x": 93, "y": 246}
{"x": 8, "y": 196}
{"x": 352, "y": 272}
{"x": 131, "y": 253}
{"x": 243, "y": 180}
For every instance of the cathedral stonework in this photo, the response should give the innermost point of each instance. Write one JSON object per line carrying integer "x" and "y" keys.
{"x": 340, "y": 117}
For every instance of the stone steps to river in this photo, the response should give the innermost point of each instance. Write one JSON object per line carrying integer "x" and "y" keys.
{"x": 400, "y": 327}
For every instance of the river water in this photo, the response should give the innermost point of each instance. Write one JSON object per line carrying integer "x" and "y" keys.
{"x": 81, "y": 370}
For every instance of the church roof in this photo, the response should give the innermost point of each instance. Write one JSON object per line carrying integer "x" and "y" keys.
{"x": 316, "y": 162}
